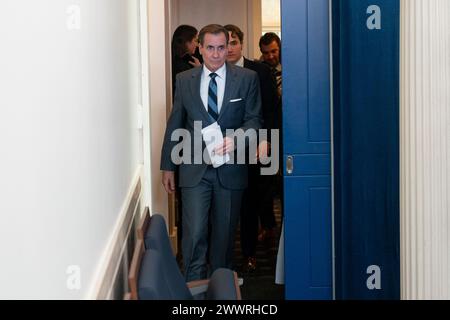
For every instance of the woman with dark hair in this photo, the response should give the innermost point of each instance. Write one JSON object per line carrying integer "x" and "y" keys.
{"x": 184, "y": 49}
{"x": 184, "y": 45}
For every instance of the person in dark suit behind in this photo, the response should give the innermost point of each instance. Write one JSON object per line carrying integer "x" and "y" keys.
{"x": 217, "y": 93}
{"x": 184, "y": 48}
{"x": 258, "y": 198}
{"x": 270, "y": 46}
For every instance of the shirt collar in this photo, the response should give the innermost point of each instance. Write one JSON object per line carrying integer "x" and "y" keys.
{"x": 221, "y": 72}
{"x": 240, "y": 62}
{"x": 278, "y": 67}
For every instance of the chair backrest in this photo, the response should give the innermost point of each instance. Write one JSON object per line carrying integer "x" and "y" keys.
{"x": 154, "y": 272}
{"x": 158, "y": 282}
{"x": 156, "y": 238}
{"x": 224, "y": 285}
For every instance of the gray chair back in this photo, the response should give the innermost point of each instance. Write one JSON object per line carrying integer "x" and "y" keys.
{"x": 157, "y": 244}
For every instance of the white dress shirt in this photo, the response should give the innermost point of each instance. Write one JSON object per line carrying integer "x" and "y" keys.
{"x": 204, "y": 85}
{"x": 240, "y": 62}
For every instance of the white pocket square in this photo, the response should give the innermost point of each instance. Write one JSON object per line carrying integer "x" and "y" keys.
{"x": 235, "y": 100}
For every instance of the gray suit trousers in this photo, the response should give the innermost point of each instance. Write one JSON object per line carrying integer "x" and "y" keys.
{"x": 208, "y": 202}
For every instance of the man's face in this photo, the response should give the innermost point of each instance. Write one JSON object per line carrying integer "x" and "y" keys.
{"x": 214, "y": 51}
{"x": 234, "y": 49}
{"x": 271, "y": 53}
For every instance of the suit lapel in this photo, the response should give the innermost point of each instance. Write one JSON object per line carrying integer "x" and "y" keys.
{"x": 230, "y": 87}
{"x": 195, "y": 91}
{"x": 246, "y": 62}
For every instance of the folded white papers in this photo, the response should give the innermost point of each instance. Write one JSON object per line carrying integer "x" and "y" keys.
{"x": 212, "y": 135}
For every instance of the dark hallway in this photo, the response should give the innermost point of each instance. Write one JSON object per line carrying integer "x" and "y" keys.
{"x": 260, "y": 284}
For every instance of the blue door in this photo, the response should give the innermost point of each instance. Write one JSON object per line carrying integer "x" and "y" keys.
{"x": 306, "y": 149}
{"x": 366, "y": 149}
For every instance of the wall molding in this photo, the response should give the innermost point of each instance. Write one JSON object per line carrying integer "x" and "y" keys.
{"x": 425, "y": 159}
{"x": 106, "y": 277}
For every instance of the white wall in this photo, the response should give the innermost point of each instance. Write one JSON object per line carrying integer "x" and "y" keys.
{"x": 68, "y": 139}
{"x": 425, "y": 149}
{"x": 246, "y": 14}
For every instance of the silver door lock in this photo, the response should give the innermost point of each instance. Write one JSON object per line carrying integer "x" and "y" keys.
{"x": 290, "y": 165}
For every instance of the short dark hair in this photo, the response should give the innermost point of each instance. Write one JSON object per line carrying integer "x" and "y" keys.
{"x": 268, "y": 38}
{"x": 235, "y": 32}
{"x": 181, "y": 36}
{"x": 212, "y": 29}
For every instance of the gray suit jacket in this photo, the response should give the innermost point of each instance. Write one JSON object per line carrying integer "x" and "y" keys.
{"x": 188, "y": 107}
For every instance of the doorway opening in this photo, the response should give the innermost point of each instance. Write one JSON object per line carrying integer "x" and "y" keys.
{"x": 254, "y": 18}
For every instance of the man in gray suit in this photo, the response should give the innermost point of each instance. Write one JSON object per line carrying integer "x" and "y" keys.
{"x": 229, "y": 95}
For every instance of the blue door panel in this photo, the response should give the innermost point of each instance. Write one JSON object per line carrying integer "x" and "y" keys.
{"x": 311, "y": 228}
{"x": 306, "y": 82}
{"x": 312, "y": 164}
{"x": 306, "y": 139}
{"x": 319, "y": 72}
{"x": 320, "y": 236}
{"x": 366, "y": 148}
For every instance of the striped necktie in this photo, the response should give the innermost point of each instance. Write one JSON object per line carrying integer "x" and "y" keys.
{"x": 213, "y": 108}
